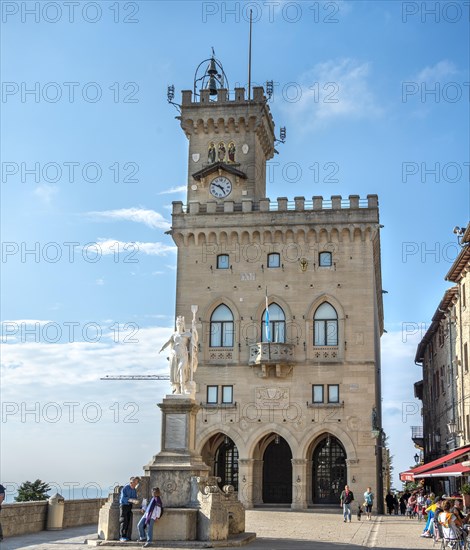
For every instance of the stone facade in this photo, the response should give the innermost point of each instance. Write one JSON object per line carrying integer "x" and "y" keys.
{"x": 290, "y": 420}
{"x": 444, "y": 354}
{"x": 438, "y": 388}
{"x": 459, "y": 274}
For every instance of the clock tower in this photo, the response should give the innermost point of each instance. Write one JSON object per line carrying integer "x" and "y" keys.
{"x": 290, "y": 315}
{"x": 230, "y": 140}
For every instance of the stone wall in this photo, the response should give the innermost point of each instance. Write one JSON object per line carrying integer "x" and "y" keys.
{"x": 82, "y": 512}
{"x": 22, "y": 518}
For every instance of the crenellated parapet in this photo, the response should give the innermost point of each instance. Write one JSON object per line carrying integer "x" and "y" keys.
{"x": 268, "y": 222}
{"x": 200, "y": 115}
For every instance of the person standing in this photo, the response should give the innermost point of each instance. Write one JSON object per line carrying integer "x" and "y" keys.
{"x": 346, "y": 498}
{"x": 369, "y": 500}
{"x": 152, "y": 513}
{"x": 389, "y": 500}
{"x": 127, "y": 498}
{"x": 2, "y": 498}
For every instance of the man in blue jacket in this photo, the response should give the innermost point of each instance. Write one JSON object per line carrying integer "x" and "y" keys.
{"x": 127, "y": 498}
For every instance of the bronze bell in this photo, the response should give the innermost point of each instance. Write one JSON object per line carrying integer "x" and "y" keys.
{"x": 212, "y": 86}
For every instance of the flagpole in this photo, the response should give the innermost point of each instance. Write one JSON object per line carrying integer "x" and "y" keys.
{"x": 267, "y": 326}
{"x": 249, "y": 58}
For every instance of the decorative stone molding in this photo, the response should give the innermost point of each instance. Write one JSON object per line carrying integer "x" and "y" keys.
{"x": 272, "y": 397}
{"x": 326, "y": 353}
{"x": 266, "y": 354}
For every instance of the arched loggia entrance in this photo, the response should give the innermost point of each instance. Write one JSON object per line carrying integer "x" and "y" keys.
{"x": 221, "y": 454}
{"x": 329, "y": 471}
{"x": 277, "y": 471}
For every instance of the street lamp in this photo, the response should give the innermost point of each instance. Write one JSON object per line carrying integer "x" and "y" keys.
{"x": 416, "y": 457}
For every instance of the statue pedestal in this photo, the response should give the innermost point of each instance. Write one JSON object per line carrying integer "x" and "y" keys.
{"x": 173, "y": 467}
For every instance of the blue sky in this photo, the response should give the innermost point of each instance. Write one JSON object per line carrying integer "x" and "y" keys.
{"x": 354, "y": 86}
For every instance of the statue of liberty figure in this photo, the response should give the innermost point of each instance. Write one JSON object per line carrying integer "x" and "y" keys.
{"x": 183, "y": 354}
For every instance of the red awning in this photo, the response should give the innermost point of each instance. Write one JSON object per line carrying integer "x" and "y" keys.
{"x": 455, "y": 470}
{"x": 410, "y": 475}
{"x": 407, "y": 476}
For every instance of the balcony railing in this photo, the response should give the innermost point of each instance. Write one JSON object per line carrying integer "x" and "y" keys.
{"x": 273, "y": 358}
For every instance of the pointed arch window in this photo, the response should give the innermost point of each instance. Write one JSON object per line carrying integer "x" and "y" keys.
{"x": 325, "y": 326}
{"x": 221, "y": 327}
{"x": 277, "y": 325}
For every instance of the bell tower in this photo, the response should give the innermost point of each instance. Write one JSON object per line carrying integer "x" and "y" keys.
{"x": 230, "y": 139}
{"x": 290, "y": 312}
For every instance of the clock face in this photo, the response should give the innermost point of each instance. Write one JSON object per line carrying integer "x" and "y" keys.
{"x": 220, "y": 187}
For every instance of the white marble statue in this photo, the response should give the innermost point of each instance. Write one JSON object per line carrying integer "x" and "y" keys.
{"x": 183, "y": 355}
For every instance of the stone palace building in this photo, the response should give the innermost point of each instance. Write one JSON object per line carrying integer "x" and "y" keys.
{"x": 290, "y": 315}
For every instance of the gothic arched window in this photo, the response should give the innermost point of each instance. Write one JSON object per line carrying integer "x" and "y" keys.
{"x": 325, "y": 326}
{"x": 277, "y": 325}
{"x": 221, "y": 327}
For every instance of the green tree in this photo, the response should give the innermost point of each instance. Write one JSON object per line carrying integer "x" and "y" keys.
{"x": 32, "y": 490}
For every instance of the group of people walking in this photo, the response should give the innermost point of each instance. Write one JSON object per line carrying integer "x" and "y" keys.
{"x": 347, "y": 497}
{"x": 151, "y": 512}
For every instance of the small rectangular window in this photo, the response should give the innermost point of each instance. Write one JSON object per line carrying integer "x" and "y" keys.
{"x": 274, "y": 260}
{"x": 325, "y": 259}
{"x": 464, "y": 298}
{"x": 223, "y": 261}
{"x": 465, "y": 357}
{"x": 333, "y": 393}
{"x": 227, "y": 394}
{"x": 317, "y": 393}
{"x": 212, "y": 394}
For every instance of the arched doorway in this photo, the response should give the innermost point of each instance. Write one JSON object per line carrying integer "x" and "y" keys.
{"x": 221, "y": 454}
{"x": 329, "y": 472}
{"x": 226, "y": 463}
{"x": 277, "y": 472}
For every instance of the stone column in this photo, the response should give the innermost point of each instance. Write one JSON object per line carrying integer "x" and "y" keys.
{"x": 299, "y": 483}
{"x": 172, "y": 468}
{"x": 245, "y": 481}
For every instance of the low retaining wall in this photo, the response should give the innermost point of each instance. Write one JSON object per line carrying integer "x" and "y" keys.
{"x": 21, "y": 518}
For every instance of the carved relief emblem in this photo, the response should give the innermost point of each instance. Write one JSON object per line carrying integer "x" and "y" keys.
{"x": 245, "y": 148}
{"x": 196, "y": 157}
{"x": 272, "y": 397}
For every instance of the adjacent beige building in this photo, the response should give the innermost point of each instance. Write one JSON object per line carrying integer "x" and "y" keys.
{"x": 443, "y": 354}
{"x": 459, "y": 274}
{"x": 290, "y": 405}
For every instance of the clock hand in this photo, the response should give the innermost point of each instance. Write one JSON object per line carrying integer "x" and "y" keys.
{"x": 219, "y": 186}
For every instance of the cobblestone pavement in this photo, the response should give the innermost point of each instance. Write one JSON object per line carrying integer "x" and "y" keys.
{"x": 276, "y": 530}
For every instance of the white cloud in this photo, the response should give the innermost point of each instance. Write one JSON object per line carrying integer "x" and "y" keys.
{"x": 179, "y": 189}
{"x": 113, "y": 246}
{"x": 437, "y": 72}
{"x": 332, "y": 90}
{"x": 148, "y": 217}
{"x": 129, "y": 350}
{"x": 100, "y": 281}
{"x": 46, "y": 192}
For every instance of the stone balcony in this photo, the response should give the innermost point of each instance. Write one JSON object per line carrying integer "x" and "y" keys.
{"x": 272, "y": 359}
